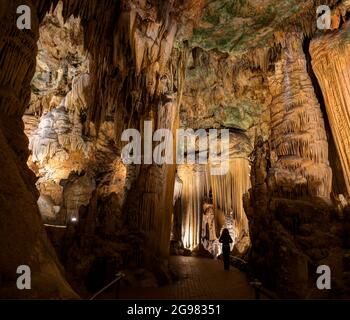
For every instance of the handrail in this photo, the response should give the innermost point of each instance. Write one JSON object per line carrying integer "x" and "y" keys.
{"x": 257, "y": 285}
{"x": 119, "y": 275}
{"x": 242, "y": 261}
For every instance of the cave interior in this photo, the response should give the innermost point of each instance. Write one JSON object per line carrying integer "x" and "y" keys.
{"x": 256, "y": 81}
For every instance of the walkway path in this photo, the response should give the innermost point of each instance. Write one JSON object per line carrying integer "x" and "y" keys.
{"x": 200, "y": 278}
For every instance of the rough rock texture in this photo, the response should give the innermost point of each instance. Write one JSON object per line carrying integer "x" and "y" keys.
{"x": 238, "y": 26}
{"x": 60, "y": 61}
{"x": 291, "y": 238}
{"x": 53, "y": 120}
{"x": 56, "y": 125}
{"x": 58, "y": 150}
{"x": 64, "y": 147}
{"x": 330, "y": 61}
{"x": 220, "y": 91}
{"x": 299, "y": 146}
{"x": 210, "y": 64}
{"x": 22, "y": 235}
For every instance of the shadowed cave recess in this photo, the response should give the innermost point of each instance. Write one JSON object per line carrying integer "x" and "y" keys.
{"x": 76, "y": 213}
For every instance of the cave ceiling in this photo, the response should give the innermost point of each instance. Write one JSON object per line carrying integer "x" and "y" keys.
{"x": 235, "y": 26}
{"x": 234, "y": 46}
{"x": 231, "y": 47}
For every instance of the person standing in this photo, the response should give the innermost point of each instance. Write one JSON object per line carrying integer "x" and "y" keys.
{"x": 226, "y": 239}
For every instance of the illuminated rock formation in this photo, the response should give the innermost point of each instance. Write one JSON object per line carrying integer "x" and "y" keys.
{"x": 225, "y": 193}
{"x": 330, "y": 60}
{"x": 299, "y": 147}
{"x": 221, "y": 91}
{"x": 96, "y": 68}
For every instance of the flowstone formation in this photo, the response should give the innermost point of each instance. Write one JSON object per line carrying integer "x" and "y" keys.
{"x": 88, "y": 70}
{"x": 299, "y": 146}
{"x": 290, "y": 238}
{"x": 53, "y": 120}
{"x": 222, "y": 195}
{"x": 330, "y": 61}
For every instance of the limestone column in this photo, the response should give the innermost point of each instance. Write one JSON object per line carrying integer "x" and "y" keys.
{"x": 299, "y": 147}
{"x": 149, "y": 205}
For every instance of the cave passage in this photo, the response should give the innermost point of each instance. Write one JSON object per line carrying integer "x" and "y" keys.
{"x": 97, "y": 185}
{"x": 79, "y": 166}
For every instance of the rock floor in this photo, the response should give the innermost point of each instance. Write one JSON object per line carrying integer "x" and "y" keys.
{"x": 199, "y": 278}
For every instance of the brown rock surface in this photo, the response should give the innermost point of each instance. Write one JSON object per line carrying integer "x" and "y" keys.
{"x": 330, "y": 60}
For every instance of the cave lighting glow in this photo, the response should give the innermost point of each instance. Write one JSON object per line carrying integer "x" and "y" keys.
{"x": 227, "y": 192}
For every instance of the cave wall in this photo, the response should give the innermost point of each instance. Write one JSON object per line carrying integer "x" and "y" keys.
{"x": 130, "y": 82}
{"x": 54, "y": 120}
{"x": 135, "y": 75}
{"x": 23, "y": 238}
{"x": 294, "y": 227}
{"x": 144, "y": 38}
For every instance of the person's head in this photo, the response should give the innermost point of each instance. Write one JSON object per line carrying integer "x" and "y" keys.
{"x": 225, "y": 232}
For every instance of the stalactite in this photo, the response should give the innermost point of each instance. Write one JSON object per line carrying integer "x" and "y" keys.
{"x": 127, "y": 73}
{"x": 194, "y": 186}
{"x": 227, "y": 192}
{"x": 177, "y": 188}
{"x": 78, "y": 97}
